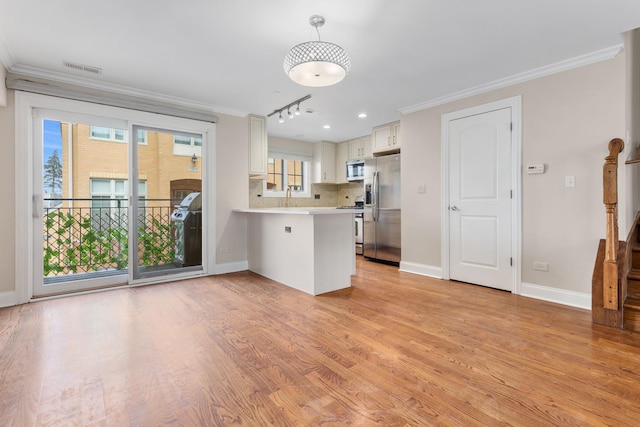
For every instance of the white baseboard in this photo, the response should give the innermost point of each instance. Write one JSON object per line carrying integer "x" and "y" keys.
{"x": 7, "y": 299}
{"x": 231, "y": 267}
{"x": 560, "y": 296}
{"x": 421, "y": 269}
{"x": 545, "y": 293}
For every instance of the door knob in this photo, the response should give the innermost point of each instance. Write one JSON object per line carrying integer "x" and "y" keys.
{"x": 454, "y": 208}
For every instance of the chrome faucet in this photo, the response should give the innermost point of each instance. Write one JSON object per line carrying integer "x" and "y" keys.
{"x": 287, "y": 196}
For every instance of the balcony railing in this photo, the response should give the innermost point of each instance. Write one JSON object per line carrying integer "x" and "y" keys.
{"x": 91, "y": 235}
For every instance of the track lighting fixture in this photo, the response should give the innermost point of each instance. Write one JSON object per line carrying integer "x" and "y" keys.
{"x": 287, "y": 108}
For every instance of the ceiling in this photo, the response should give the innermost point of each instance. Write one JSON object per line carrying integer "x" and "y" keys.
{"x": 227, "y": 56}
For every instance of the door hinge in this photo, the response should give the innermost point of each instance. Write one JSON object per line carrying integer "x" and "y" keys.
{"x": 511, "y": 262}
{"x": 511, "y": 194}
{"x": 511, "y": 126}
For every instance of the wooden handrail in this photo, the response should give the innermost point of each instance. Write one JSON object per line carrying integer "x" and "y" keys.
{"x": 610, "y": 198}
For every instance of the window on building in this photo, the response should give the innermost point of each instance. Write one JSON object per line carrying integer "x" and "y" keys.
{"x": 186, "y": 145}
{"x": 117, "y": 135}
{"x": 109, "y": 202}
{"x": 283, "y": 172}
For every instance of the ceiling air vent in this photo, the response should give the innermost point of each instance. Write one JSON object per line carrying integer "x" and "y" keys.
{"x": 80, "y": 67}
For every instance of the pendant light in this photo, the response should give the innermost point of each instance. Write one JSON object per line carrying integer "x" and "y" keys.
{"x": 317, "y": 63}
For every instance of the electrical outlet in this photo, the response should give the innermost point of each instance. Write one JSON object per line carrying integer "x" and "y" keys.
{"x": 540, "y": 266}
{"x": 287, "y": 229}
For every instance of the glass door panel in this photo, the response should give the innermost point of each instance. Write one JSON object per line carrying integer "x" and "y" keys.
{"x": 167, "y": 200}
{"x": 80, "y": 176}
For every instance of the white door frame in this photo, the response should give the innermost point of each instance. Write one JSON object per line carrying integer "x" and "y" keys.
{"x": 515, "y": 103}
{"x": 24, "y": 203}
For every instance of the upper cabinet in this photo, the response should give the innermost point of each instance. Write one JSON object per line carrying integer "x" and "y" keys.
{"x": 324, "y": 162}
{"x": 258, "y": 146}
{"x": 386, "y": 138}
{"x": 360, "y": 148}
{"x": 342, "y": 155}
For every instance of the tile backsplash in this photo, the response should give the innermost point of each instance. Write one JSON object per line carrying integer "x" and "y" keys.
{"x": 330, "y": 195}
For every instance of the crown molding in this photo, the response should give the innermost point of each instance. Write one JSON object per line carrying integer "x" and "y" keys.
{"x": 578, "y": 61}
{"x": 34, "y": 72}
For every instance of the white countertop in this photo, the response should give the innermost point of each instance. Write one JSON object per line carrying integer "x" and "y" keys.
{"x": 301, "y": 211}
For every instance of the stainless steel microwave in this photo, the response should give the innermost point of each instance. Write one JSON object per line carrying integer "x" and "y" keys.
{"x": 355, "y": 170}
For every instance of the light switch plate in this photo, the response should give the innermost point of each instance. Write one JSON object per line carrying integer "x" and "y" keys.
{"x": 540, "y": 266}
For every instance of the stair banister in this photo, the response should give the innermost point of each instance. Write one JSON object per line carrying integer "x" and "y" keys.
{"x": 610, "y": 198}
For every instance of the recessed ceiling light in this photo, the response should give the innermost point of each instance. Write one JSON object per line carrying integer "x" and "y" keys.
{"x": 362, "y": 115}
{"x": 327, "y": 126}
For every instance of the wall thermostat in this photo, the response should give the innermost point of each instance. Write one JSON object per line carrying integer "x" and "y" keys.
{"x": 534, "y": 169}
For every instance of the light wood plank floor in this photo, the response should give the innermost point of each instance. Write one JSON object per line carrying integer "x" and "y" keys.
{"x": 394, "y": 350}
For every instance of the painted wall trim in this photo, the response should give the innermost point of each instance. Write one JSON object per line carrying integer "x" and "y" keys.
{"x": 560, "y": 296}
{"x": 38, "y": 73}
{"x": 568, "y": 64}
{"x": 8, "y": 299}
{"x": 421, "y": 269}
{"x": 231, "y": 267}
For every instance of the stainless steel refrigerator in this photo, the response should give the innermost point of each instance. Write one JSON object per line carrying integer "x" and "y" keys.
{"x": 382, "y": 208}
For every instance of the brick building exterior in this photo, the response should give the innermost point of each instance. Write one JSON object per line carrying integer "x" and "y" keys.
{"x": 167, "y": 168}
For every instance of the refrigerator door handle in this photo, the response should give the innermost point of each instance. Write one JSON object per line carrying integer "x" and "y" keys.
{"x": 374, "y": 205}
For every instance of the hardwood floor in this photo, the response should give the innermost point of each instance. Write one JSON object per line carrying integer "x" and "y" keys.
{"x": 394, "y": 350}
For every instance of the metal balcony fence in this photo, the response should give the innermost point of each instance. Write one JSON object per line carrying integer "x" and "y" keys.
{"x": 91, "y": 235}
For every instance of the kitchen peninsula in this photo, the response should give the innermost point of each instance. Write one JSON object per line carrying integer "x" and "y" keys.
{"x": 309, "y": 249}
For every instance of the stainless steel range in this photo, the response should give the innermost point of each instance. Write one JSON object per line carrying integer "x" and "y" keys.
{"x": 359, "y": 223}
{"x": 359, "y": 218}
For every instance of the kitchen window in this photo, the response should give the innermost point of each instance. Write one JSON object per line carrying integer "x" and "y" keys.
{"x": 287, "y": 171}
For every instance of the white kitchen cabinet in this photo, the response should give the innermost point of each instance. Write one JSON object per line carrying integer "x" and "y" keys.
{"x": 386, "y": 138}
{"x": 324, "y": 162}
{"x": 342, "y": 155}
{"x": 258, "y": 146}
{"x": 360, "y": 148}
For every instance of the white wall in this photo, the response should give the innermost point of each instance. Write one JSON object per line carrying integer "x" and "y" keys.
{"x": 632, "y": 140}
{"x": 3, "y": 88}
{"x": 291, "y": 146}
{"x": 7, "y": 195}
{"x": 232, "y": 171}
{"x": 568, "y": 120}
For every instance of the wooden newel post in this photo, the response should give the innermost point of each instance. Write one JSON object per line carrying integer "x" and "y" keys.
{"x": 610, "y": 198}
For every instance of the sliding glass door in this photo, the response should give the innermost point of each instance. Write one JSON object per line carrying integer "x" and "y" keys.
{"x": 167, "y": 202}
{"x": 107, "y": 198}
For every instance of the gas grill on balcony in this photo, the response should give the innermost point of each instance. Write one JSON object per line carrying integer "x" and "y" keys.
{"x": 187, "y": 218}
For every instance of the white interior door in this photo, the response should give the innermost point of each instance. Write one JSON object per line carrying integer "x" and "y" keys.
{"x": 480, "y": 199}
